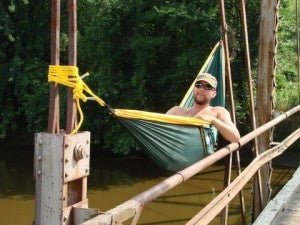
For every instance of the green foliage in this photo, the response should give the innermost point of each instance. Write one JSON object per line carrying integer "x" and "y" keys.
{"x": 23, "y": 56}
{"x": 287, "y": 92}
{"x": 140, "y": 54}
{"x": 143, "y": 54}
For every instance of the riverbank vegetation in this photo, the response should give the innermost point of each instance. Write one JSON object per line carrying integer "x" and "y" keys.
{"x": 140, "y": 54}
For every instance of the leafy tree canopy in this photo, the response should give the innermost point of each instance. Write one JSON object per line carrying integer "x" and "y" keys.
{"x": 141, "y": 55}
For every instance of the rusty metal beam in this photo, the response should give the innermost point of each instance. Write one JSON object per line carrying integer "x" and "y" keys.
{"x": 298, "y": 44}
{"x": 53, "y": 117}
{"x": 208, "y": 213}
{"x": 227, "y": 174}
{"x": 130, "y": 207}
{"x": 250, "y": 91}
{"x": 71, "y": 104}
{"x": 227, "y": 61}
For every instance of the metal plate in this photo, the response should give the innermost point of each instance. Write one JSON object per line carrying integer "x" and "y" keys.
{"x": 76, "y": 156}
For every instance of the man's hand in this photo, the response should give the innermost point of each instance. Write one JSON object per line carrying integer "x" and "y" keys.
{"x": 207, "y": 118}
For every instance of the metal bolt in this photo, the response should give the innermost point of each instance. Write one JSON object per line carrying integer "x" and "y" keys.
{"x": 66, "y": 145}
{"x": 66, "y": 160}
{"x": 79, "y": 152}
{"x": 66, "y": 175}
{"x": 65, "y": 219}
{"x": 39, "y": 172}
{"x": 40, "y": 141}
{"x": 39, "y": 158}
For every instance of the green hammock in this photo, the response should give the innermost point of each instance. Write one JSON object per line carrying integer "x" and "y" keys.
{"x": 173, "y": 142}
{"x": 174, "y": 147}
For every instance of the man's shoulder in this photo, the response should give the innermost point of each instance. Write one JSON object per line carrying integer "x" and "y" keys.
{"x": 220, "y": 109}
{"x": 177, "y": 110}
{"x": 174, "y": 110}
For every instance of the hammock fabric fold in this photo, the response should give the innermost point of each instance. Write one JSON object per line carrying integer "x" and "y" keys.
{"x": 172, "y": 147}
{"x": 173, "y": 142}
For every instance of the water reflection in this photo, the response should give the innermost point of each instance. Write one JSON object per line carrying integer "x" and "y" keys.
{"x": 114, "y": 180}
{"x": 107, "y": 172}
{"x": 16, "y": 173}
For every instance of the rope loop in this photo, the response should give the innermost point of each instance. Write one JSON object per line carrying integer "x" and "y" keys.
{"x": 69, "y": 76}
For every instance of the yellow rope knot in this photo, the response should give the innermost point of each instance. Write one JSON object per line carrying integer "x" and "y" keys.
{"x": 69, "y": 76}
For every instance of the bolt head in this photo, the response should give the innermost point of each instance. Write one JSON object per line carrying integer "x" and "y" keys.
{"x": 79, "y": 151}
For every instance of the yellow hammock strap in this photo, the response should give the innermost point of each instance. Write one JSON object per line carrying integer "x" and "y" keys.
{"x": 69, "y": 76}
{"x": 158, "y": 117}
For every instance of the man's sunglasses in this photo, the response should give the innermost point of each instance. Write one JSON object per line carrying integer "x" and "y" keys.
{"x": 205, "y": 86}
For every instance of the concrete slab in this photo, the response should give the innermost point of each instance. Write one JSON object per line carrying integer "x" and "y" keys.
{"x": 284, "y": 209}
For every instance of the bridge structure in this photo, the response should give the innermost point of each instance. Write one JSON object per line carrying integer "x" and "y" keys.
{"x": 285, "y": 207}
{"x": 62, "y": 159}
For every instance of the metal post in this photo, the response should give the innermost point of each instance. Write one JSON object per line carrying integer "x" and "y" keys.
{"x": 53, "y": 119}
{"x": 71, "y": 106}
{"x": 249, "y": 76}
{"x": 298, "y": 45}
{"x": 227, "y": 62}
{"x": 228, "y": 166}
{"x": 59, "y": 159}
{"x": 76, "y": 190}
{"x": 61, "y": 163}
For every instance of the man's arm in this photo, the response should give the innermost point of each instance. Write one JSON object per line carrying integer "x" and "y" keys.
{"x": 224, "y": 124}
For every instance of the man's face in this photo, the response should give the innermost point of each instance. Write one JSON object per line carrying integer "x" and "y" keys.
{"x": 203, "y": 93}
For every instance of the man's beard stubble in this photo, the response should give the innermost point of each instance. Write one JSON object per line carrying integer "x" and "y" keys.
{"x": 202, "y": 101}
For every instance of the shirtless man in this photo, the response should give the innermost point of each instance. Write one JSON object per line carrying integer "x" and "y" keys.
{"x": 204, "y": 91}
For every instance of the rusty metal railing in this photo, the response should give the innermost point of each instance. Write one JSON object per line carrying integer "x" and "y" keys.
{"x": 133, "y": 207}
{"x": 209, "y": 212}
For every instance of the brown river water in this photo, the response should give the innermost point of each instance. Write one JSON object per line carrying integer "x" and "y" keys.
{"x": 114, "y": 180}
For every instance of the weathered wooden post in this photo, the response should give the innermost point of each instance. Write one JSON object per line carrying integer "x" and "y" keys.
{"x": 61, "y": 160}
{"x": 265, "y": 87}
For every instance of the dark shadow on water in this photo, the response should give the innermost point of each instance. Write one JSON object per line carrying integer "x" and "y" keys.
{"x": 107, "y": 172}
{"x": 215, "y": 193}
{"x": 179, "y": 221}
{"x": 182, "y": 203}
{"x": 16, "y": 171}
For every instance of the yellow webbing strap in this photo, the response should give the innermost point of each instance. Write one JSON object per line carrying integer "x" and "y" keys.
{"x": 205, "y": 153}
{"x": 69, "y": 76}
{"x": 158, "y": 117}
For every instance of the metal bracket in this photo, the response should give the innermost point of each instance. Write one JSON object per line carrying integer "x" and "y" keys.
{"x": 76, "y": 156}
{"x": 81, "y": 215}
